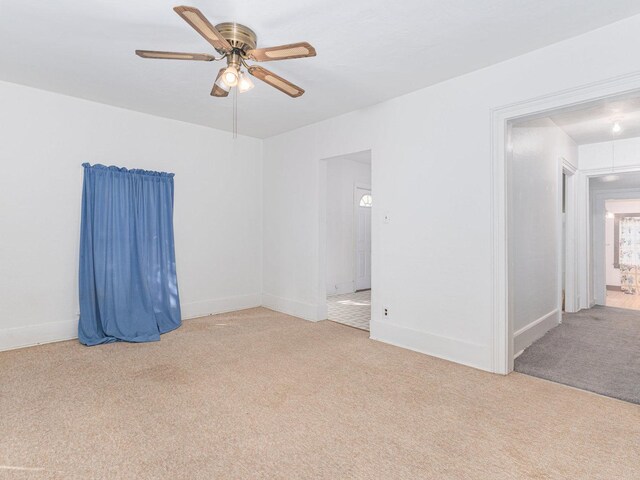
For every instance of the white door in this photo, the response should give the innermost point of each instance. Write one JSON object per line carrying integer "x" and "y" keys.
{"x": 363, "y": 238}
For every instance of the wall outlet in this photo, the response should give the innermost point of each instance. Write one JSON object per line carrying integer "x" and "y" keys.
{"x": 386, "y": 312}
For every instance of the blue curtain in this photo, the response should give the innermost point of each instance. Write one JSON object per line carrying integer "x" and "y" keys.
{"x": 128, "y": 282}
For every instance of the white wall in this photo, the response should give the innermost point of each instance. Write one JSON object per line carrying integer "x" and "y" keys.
{"x": 534, "y": 206}
{"x": 431, "y": 173}
{"x": 44, "y": 139}
{"x": 342, "y": 176}
{"x": 624, "y": 153}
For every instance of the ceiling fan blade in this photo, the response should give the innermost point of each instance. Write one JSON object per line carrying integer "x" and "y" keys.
{"x": 219, "y": 91}
{"x": 282, "y": 52}
{"x": 199, "y": 22}
{"x": 175, "y": 55}
{"x": 275, "y": 81}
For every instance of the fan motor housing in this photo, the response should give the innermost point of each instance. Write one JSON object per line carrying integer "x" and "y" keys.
{"x": 239, "y": 36}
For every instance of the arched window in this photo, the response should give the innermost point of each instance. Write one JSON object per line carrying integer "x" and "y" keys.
{"x": 365, "y": 200}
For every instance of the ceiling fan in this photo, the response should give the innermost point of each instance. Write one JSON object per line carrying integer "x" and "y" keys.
{"x": 237, "y": 43}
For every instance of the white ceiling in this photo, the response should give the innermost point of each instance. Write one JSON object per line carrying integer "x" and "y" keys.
{"x": 593, "y": 123}
{"x": 86, "y": 48}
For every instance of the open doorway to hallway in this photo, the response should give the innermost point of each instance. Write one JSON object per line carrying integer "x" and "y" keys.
{"x": 616, "y": 239}
{"x": 573, "y": 190}
{"x": 349, "y": 201}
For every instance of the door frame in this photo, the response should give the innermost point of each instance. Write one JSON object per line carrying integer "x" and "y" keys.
{"x": 502, "y": 350}
{"x": 321, "y": 286}
{"x": 357, "y": 186}
{"x": 567, "y": 245}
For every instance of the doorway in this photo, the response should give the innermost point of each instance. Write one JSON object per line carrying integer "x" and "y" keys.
{"x": 543, "y": 159}
{"x": 615, "y": 204}
{"x": 588, "y": 344}
{"x": 568, "y": 268}
{"x": 348, "y": 201}
{"x": 502, "y": 351}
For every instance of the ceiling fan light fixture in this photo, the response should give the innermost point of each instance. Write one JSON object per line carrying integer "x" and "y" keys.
{"x": 230, "y": 77}
{"x": 236, "y": 43}
{"x": 244, "y": 83}
{"x": 220, "y": 83}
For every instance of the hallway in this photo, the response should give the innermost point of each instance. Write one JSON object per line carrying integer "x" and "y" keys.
{"x": 596, "y": 349}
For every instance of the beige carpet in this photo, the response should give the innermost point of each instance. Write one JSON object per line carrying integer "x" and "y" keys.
{"x": 256, "y": 394}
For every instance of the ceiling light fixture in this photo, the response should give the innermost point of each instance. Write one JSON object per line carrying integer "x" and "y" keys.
{"x": 230, "y": 76}
{"x": 221, "y": 83}
{"x": 236, "y": 44}
{"x": 244, "y": 83}
{"x": 616, "y": 127}
{"x": 610, "y": 178}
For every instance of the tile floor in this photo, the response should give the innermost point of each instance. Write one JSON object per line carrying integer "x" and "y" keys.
{"x": 353, "y": 309}
{"x": 622, "y": 300}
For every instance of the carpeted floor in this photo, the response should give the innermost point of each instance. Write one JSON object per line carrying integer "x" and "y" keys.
{"x": 257, "y": 394}
{"x": 596, "y": 350}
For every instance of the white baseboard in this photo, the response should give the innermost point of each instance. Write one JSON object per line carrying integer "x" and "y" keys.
{"x": 525, "y": 336}
{"x": 302, "y": 310}
{"x": 219, "y": 305}
{"x": 29, "y": 335}
{"x": 455, "y": 350}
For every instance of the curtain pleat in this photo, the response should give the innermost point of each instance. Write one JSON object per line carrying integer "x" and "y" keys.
{"x": 128, "y": 281}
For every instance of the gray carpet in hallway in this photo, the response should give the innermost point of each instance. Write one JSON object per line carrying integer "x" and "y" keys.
{"x": 596, "y": 349}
